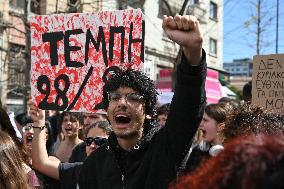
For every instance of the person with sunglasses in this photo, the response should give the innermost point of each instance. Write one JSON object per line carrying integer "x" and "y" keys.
{"x": 79, "y": 151}
{"x": 67, "y": 173}
{"x": 96, "y": 135}
{"x": 139, "y": 154}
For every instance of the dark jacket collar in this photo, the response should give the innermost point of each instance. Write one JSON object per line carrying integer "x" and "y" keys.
{"x": 141, "y": 145}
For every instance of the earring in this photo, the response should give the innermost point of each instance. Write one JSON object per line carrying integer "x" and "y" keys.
{"x": 148, "y": 117}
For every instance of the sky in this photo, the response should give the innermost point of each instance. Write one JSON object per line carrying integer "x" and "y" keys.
{"x": 240, "y": 42}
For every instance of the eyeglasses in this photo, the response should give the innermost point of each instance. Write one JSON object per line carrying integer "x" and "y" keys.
{"x": 129, "y": 97}
{"x": 97, "y": 140}
{"x": 27, "y": 128}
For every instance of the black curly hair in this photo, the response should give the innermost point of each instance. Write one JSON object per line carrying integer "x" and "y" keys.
{"x": 138, "y": 82}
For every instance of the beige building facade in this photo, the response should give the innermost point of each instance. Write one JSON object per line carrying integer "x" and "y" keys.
{"x": 160, "y": 52}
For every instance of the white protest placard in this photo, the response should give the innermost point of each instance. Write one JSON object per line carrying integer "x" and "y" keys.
{"x": 71, "y": 55}
{"x": 268, "y": 81}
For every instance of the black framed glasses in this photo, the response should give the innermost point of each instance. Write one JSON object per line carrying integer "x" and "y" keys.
{"x": 97, "y": 140}
{"x": 129, "y": 97}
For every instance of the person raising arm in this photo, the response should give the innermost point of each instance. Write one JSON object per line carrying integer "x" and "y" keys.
{"x": 139, "y": 154}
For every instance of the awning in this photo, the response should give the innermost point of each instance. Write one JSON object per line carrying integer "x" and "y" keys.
{"x": 164, "y": 97}
{"x": 212, "y": 86}
{"x": 226, "y": 92}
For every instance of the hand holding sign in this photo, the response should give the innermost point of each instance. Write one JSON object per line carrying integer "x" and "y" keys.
{"x": 38, "y": 116}
{"x": 71, "y": 52}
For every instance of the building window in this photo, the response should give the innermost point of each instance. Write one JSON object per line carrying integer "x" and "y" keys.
{"x": 73, "y": 6}
{"x": 17, "y": 3}
{"x": 1, "y": 46}
{"x": 16, "y": 64}
{"x": 122, "y": 5}
{"x": 213, "y": 10}
{"x": 196, "y": 1}
{"x": 35, "y": 6}
{"x": 170, "y": 8}
{"x": 213, "y": 47}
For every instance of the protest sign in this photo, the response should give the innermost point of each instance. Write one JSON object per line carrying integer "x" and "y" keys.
{"x": 268, "y": 81}
{"x": 72, "y": 55}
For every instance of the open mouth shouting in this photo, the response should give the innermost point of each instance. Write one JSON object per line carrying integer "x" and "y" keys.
{"x": 122, "y": 120}
{"x": 126, "y": 114}
{"x": 68, "y": 130}
{"x": 29, "y": 139}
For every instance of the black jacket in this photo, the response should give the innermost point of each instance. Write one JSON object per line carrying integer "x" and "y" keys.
{"x": 152, "y": 163}
{"x": 196, "y": 158}
{"x": 78, "y": 153}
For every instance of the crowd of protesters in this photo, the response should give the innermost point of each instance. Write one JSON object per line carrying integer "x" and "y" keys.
{"x": 132, "y": 143}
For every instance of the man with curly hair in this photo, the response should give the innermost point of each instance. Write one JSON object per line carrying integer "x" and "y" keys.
{"x": 140, "y": 154}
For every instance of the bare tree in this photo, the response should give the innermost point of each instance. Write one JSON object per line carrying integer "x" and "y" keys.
{"x": 258, "y": 25}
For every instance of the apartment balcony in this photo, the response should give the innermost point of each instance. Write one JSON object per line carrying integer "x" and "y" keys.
{"x": 198, "y": 12}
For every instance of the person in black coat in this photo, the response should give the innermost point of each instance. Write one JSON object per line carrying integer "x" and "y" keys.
{"x": 139, "y": 154}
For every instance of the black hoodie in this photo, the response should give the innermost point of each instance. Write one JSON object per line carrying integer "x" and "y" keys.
{"x": 152, "y": 163}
